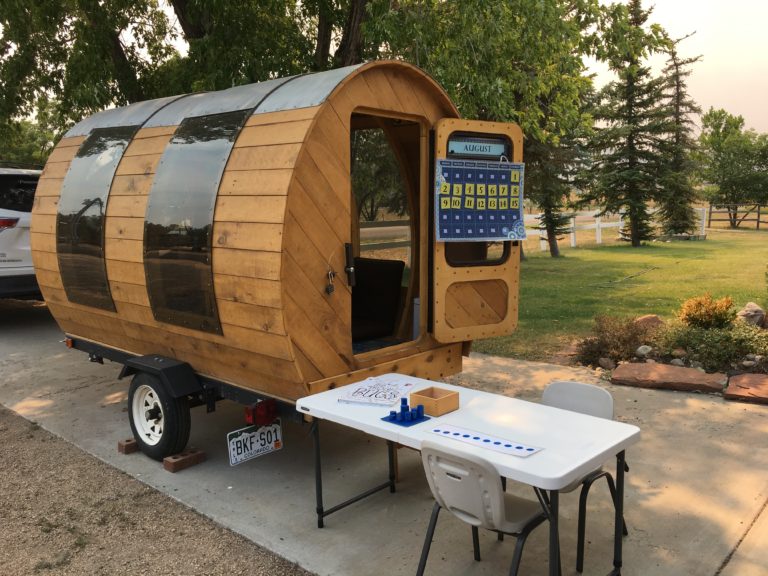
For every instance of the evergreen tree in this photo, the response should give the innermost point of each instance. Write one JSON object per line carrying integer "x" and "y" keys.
{"x": 554, "y": 169}
{"x": 675, "y": 205}
{"x": 545, "y": 186}
{"x": 632, "y": 124}
{"x": 553, "y": 172}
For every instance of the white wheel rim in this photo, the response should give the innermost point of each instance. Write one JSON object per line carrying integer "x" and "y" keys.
{"x": 148, "y": 417}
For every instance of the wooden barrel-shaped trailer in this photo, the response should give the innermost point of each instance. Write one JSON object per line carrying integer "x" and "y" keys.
{"x": 219, "y": 229}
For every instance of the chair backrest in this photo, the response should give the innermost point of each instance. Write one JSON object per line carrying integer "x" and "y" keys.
{"x": 466, "y": 485}
{"x": 579, "y": 397}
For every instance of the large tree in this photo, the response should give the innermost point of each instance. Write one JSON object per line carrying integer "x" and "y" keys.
{"x": 507, "y": 60}
{"x": 678, "y": 193}
{"x": 555, "y": 166}
{"x": 504, "y": 60}
{"x": 27, "y": 143}
{"x": 499, "y": 60}
{"x": 554, "y": 173}
{"x": 91, "y": 54}
{"x": 632, "y": 122}
{"x": 735, "y": 162}
{"x": 88, "y": 54}
{"x": 232, "y": 43}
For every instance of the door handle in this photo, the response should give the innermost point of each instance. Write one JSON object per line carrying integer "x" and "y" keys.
{"x": 349, "y": 267}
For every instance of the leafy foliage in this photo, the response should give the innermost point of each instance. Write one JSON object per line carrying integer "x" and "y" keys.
{"x": 717, "y": 349}
{"x": 505, "y": 60}
{"x": 233, "y": 43}
{"x": 376, "y": 179}
{"x": 704, "y": 312}
{"x": 547, "y": 171}
{"x": 26, "y": 142}
{"x": 735, "y": 162}
{"x": 615, "y": 338}
{"x": 89, "y": 54}
{"x": 554, "y": 171}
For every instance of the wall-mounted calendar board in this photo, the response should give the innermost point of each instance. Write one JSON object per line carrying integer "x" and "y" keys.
{"x": 478, "y": 200}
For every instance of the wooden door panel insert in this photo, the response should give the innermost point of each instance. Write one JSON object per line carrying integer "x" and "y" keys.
{"x": 476, "y": 303}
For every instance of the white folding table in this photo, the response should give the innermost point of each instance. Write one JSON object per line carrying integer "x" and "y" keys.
{"x": 567, "y": 445}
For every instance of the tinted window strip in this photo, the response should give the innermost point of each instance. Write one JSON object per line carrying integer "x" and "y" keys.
{"x": 179, "y": 221}
{"x": 81, "y": 216}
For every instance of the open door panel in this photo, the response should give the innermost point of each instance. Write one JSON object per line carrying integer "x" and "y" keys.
{"x": 478, "y": 218}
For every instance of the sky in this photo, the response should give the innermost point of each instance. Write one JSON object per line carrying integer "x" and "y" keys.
{"x": 732, "y": 38}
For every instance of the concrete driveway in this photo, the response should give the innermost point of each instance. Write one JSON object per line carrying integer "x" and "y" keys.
{"x": 695, "y": 499}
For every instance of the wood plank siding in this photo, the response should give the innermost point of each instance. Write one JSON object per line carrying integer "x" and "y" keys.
{"x": 319, "y": 223}
{"x": 282, "y": 215}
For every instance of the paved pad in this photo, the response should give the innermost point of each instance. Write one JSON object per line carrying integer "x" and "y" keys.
{"x": 693, "y": 492}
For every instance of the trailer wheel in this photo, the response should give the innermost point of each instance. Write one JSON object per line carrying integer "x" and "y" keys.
{"x": 160, "y": 422}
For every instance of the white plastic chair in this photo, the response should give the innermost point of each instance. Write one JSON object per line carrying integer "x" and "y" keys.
{"x": 470, "y": 488}
{"x": 595, "y": 401}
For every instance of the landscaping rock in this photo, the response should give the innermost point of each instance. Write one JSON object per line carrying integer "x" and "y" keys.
{"x": 666, "y": 377}
{"x": 643, "y": 351}
{"x": 748, "y": 388}
{"x": 752, "y": 314}
{"x": 677, "y": 362}
{"x": 679, "y": 353}
{"x": 748, "y": 364}
{"x": 696, "y": 364}
{"x": 650, "y": 321}
{"x": 606, "y": 363}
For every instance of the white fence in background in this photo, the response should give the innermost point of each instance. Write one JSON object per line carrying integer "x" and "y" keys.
{"x": 591, "y": 221}
{"x": 389, "y": 234}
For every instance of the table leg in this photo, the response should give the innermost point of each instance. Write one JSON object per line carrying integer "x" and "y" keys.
{"x": 319, "y": 508}
{"x": 554, "y": 533}
{"x": 318, "y": 472}
{"x": 618, "y": 533}
{"x": 392, "y": 465}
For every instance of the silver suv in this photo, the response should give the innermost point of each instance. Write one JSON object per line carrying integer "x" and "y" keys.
{"x": 17, "y": 193}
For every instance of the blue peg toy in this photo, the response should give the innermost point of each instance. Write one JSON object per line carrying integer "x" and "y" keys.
{"x": 406, "y": 416}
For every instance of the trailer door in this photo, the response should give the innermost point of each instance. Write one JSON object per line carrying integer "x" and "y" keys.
{"x": 478, "y": 223}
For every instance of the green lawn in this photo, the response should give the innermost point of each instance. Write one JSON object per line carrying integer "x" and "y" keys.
{"x": 559, "y": 297}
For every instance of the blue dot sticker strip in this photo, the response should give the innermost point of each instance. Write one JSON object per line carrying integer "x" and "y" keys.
{"x": 505, "y": 446}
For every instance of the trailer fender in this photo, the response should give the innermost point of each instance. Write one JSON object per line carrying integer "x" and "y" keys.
{"x": 178, "y": 377}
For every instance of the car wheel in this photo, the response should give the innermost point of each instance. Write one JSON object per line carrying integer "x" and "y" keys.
{"x": 160, "y": 422}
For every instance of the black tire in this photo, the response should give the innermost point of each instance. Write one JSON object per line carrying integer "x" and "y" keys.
{"x": 160, "y": 423}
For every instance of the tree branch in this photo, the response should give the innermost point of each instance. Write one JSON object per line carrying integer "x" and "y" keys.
{"x": 193, "y": 28}
{"x": 125, "y": 74}
{"x": 348, "y": 52}
{"x": 323, "y": 43}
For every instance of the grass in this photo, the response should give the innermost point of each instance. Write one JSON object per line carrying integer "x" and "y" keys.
{"x": 559, "y": 297}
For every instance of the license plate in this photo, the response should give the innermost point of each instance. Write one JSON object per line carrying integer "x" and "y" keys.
{"x": 254, "y": 441}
